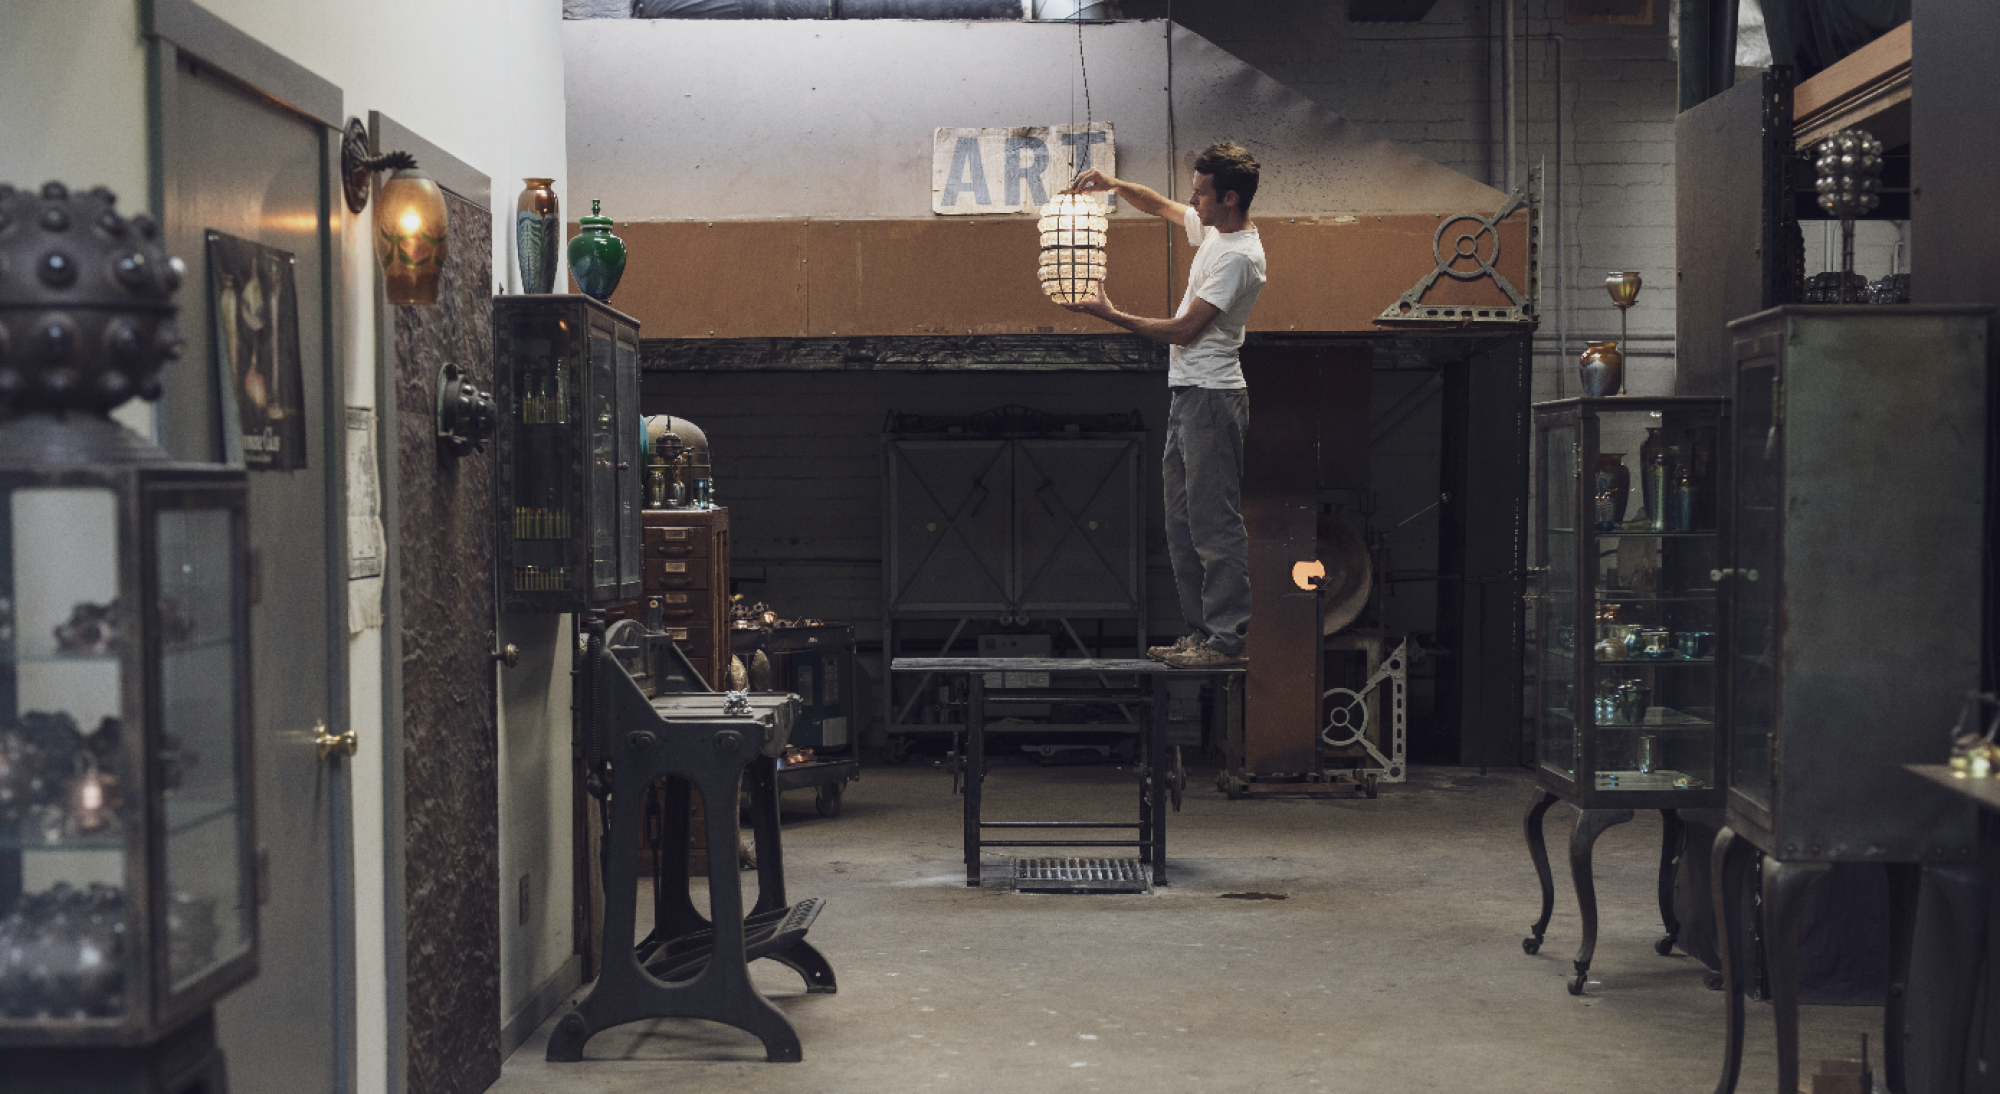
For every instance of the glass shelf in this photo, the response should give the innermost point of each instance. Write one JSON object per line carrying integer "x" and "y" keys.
{"x": 1661, "y": 718}
{"x": 1653, "y": 662}
{"x": 1635, "y": 534}
{"x": 1657, "y": 780}
{"x": 182, "y": 817}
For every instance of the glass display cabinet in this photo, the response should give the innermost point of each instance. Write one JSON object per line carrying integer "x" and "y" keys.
{"x": 1629, "y": 631}
{"x": 1853, "y": 598}
{"x": 127, "y": 896}
{"x": 567, "y": 383}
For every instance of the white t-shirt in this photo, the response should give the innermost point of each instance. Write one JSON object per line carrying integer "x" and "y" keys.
{"x": 1228, "y": 272}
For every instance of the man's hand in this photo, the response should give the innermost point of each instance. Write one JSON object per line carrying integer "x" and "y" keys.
{"x": 1092, "y": 181}
{"x": 1098, "y": 305}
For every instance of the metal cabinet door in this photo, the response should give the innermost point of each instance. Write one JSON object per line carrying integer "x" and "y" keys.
{"x": 947, "y": 525}
{"x": 241, "y": 164}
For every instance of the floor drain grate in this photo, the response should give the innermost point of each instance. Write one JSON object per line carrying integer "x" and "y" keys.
{"x": 1081, "y": 875}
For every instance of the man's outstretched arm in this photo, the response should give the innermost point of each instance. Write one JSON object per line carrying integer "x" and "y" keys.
{"x": 1143, "y": 198}
{"x": 1179, "y": 331}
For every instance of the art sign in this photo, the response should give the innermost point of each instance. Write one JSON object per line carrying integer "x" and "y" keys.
{"x": 1012, "y": 170}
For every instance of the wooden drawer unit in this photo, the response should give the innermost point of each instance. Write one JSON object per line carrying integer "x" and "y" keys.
{"x": 687, "y": 571}
{"x": 668, "y": 543}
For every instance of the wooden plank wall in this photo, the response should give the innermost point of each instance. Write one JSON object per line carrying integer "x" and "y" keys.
{"x": 964, "y": 275}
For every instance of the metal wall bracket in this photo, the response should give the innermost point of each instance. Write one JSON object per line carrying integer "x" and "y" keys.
{"x": 1347, "y": 717}
{"x": 1473, "y": 254}
{"x": 466, "y": 416}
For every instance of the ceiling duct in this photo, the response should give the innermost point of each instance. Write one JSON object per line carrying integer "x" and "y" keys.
{"x": 828, "y": 9}
{"x": 1388, "y": 11}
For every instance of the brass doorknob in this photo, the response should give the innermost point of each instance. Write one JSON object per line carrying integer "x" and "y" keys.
{"x": 329, "y": 743}
{"x": 508, "y": 655}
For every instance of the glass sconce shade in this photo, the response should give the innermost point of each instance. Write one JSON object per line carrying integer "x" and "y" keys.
{"x": 1623, "y": 285}
{"x": 1073, "y": 228}
{"x": 127, "y": 905}
{"x": 410, "y": 236}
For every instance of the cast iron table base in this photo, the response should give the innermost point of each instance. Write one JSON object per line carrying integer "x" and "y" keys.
{"x": 1590, "y": 824}
{"x": 688, "y": 967}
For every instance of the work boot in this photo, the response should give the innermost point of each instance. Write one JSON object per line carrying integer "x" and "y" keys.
{"x": 1183, "y": 643}
{"x": 1205, "y": 656}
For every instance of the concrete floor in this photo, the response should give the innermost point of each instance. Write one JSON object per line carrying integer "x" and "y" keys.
{"x": 1393, "y": 963}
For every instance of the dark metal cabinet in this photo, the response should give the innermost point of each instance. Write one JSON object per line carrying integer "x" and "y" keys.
{"x": 1853, "y": 600}
{"x": 1627, "y": 682}
{"x": 1854, "y": 594}
{"x": 566, "y": 379}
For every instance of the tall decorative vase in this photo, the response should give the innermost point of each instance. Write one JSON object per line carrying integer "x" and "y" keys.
{"x": 1602, "y": 368}
{"x": 537, "y": 235}
{"x": 1614, "y": 488}
{"x": 1655, "y": 478}
{"x": 596, "y": 257}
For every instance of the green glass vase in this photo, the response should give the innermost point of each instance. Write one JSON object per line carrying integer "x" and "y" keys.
{"x": 596, "y": 257}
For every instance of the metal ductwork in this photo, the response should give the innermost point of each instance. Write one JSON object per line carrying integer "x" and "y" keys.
{"x": 1388, "y": 11}
{"x": 828, "y": 9}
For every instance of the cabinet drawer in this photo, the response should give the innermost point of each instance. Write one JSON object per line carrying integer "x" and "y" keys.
{"x": 677, "y": 542}
{"x": 666, "y": 574}
{"x": 677, "y": 609}
{"x": 693, "y": 638}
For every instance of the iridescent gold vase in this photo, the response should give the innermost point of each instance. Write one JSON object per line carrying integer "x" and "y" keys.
{"x": 1602, "y": 369}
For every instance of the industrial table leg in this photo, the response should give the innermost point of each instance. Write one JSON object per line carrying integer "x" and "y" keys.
{"x": 1538, "y": 851}
{"x": 1729, "y": 876}
{"x": 1590, "y": 824}
{"x": 975, "y": 770}
{"x": 721, "y": 991}
{"x": 1673, "y": 835}
{"x": 1155, "y": 797}
{"x": 1785, "y": 887}
{"x": 1905, "y": 885}
{"x": 800, "y": 956}
{"x": 1954, "y": 895}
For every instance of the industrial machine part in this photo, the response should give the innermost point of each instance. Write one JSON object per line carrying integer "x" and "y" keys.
{"x": 1348, "y": 721}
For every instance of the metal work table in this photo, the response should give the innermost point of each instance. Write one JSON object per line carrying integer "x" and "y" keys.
{"x": 1150, "y": 692}
{"x": 688, "y": 966}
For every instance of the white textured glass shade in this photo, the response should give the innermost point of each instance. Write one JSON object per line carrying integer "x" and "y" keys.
{"x": 1073, "y": 227}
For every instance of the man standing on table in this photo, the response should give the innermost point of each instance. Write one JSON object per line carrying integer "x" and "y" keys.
{"x": 1210, "y": 408}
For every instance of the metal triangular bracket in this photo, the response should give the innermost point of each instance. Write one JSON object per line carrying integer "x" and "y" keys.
{"x": 1474, "y": 254}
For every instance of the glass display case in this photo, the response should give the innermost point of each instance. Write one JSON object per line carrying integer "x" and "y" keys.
{"x": 566, "y": 380}
{"x": 1627, "y": 618}
{"x": 126, "y": 897}
{"x": 1626, "y": 687}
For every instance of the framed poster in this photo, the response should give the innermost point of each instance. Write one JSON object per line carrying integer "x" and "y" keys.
{"x": 254, "y": 306}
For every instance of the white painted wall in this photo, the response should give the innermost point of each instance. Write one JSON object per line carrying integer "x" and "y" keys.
{"x": 686, "y": 119}
{"x": 483, "y": 80}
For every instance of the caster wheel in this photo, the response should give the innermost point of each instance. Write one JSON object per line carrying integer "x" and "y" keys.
{"x": 1531, "y": 945}
{"x": 1372, "y": 787}
{"x": 827, "y": 800}
{"x": 1576, "y": 983}
{"x": 1665, "y": 946}
{"x": 1712, "y": 981}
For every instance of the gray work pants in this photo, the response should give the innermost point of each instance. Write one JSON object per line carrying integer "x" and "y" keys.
{"x": 1203, "y": 478}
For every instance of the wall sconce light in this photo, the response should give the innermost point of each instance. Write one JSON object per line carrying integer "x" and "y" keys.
{"x": 411, "y": 227}
{"x": 1073, "y": 228}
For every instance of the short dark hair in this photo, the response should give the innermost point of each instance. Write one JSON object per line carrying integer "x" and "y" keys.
{"x": 1233, "y": 168}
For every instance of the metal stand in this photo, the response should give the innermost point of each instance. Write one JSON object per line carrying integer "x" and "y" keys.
{"x": 689, "y": 967}
{"x": 1590, "y": 824}
{"x": 1157, "y": 778}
